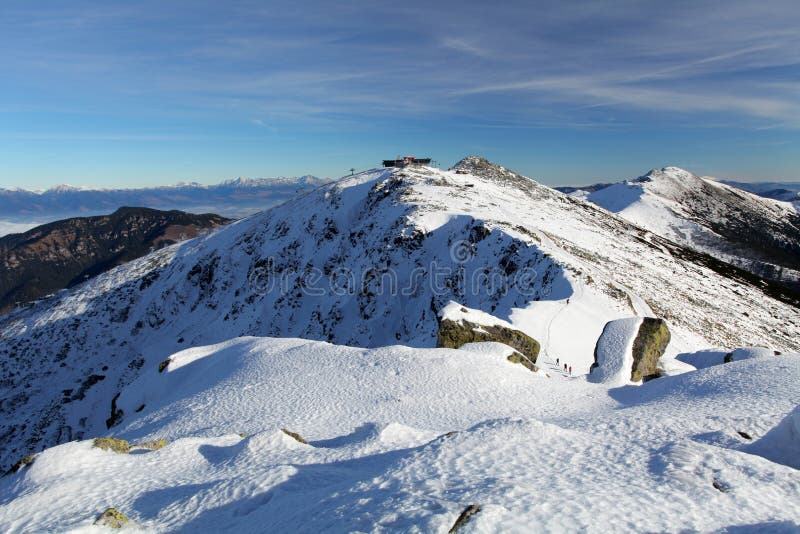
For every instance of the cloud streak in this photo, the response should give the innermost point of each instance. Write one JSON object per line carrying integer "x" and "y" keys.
{"x": 379, "y": 59}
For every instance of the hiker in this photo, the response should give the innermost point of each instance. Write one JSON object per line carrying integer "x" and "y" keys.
{"x": 556, "y": 362}
{"x": 570, "y": 370}
{"x": 567, "y": 301}
{"x": 565, "y": 367}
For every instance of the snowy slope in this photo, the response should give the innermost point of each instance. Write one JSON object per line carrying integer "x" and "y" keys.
{"x": 403, "y": 439}
{"x": 759, "y": 234}
{"x": 614, "y": 352}
{"x": 369, "y": 261}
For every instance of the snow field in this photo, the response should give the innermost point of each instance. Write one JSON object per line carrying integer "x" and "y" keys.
{"x": 403, "y": 439}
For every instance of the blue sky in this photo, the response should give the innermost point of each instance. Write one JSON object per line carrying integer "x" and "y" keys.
{"x": 144, "y": 93}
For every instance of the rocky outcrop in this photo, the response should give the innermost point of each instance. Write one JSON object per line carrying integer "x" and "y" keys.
{"x": 21, "y": 464}
{"x": 119, "y": 446}
{"x": 454, "y": 334}
{"x": 111, "y": 518}
{"x": 464, "y": 517}
{"x": 151, "y": 445}
{"x": 122, "y": 446}
{"x": 629, "y": 349}
{"x": 648, "y": 347}
{"x": 295, "y": 436}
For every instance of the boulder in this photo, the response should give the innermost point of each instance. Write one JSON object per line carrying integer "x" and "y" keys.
{"x": 648, "y": 347}
{"x": 111, "y": 518}
{"x": 629, "y": 349}
{"x": 459, "y": 325}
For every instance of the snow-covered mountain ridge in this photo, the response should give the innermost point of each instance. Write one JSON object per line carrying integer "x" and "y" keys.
{"x": 757, "y": 234}
{"x": 368, "y": 261}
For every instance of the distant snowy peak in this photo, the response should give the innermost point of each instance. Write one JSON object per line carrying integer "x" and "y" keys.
{"x": 231, "y": 182}
{"x": 669, "y": 180}
{"x": 66, "y": 188}
{"x": 244, "y": 183}
{"x": 755, "y": 233}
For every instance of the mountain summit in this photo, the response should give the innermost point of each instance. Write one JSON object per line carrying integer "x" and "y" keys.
{"x": 757, "y": 234}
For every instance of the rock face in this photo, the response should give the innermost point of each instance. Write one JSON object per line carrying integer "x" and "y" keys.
{"x": 648, "y": 347}
{"x": 454, "y": 334}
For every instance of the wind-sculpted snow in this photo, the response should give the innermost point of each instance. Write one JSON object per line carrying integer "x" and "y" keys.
{"x": 405, "y": 439}
{"x": 369, "y": 261}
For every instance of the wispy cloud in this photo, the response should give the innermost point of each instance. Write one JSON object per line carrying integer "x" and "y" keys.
{"x": 301, "y": 71}
{"x": 383, "y": 58}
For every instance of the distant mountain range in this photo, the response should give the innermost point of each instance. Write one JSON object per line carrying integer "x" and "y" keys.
{"x": 64, "y": 253}
{"x": 21, "y": 209}
{"x": 786, "y": 191}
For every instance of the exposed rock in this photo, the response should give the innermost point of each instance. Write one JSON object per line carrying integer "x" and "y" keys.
{"x": 151, "y": 445}
{"x": 523, "y": 360}
{"x": 297, "y": 437}
{"x": 629, "y": 349}
{"x": 455, "y": 334}
{"x": 22, "y": 464}
{"x": 116, "y": 413}
{"x": 163, "y": 365}
{"x": 464, "y": 518}
{"x": 111, "y": 518}
{"x": 747, "y": 353}
{"x": 648, "y": 347}
{"x": 112, "y": 444}
{"x": 721, "y": 486}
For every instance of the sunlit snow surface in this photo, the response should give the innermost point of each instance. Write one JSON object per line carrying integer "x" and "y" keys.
{"x": 558, "y": 453}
